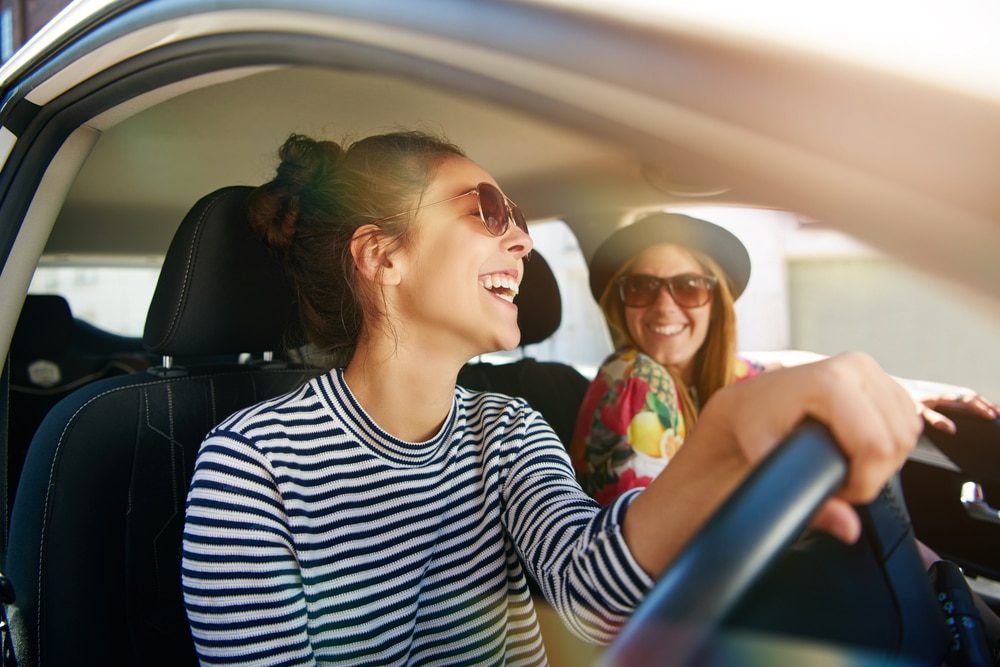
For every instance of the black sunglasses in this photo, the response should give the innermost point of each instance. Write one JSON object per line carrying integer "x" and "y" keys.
{"x": 688, "y": 290}
{"x": 496, "y": 210}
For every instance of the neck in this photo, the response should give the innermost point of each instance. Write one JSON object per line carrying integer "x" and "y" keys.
{"x": 683, "y": 372}
{"x": 407, "y": 394}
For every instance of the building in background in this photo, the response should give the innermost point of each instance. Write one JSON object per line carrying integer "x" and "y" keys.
{"x": 20, "y": 19}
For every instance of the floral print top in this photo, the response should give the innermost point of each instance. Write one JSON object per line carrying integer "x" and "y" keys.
{"x": 630, "y": 424}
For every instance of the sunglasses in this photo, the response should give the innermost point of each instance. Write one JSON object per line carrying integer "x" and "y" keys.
{"x": 496, "y": 210}
{"x": 688, "y": 290}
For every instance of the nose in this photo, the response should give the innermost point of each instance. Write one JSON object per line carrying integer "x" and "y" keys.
{"x": 517, "y": 241}
{"x": 664, "y": 299}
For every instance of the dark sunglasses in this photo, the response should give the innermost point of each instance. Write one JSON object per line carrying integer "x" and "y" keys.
{"x": 496, "y": 210}
{"x": 688, "y": 290}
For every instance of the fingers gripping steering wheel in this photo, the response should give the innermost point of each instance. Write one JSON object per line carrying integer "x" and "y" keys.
{"x": 743, "y": 538}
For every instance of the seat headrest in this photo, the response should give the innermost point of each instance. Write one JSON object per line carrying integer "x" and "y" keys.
{"x": 539, "y": 306}
{"x": 220, "y": 290}
{"x": 44, "y": 328}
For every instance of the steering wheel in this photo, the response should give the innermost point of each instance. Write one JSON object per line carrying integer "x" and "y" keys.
{"x": 743, "y": 538}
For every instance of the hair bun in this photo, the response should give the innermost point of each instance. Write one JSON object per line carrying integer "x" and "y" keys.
{"x": 274, "y": 212}
{"x": 274, "y": 207}
{"x": 305, "y": 161}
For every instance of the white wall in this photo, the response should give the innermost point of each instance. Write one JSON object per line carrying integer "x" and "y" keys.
{"x": 762, "y": 311}
{"x": 913, "y": 326}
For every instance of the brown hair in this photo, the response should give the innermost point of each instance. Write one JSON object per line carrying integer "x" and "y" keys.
{"x": 321, "y": 194}
{"x": 715, "y": 361}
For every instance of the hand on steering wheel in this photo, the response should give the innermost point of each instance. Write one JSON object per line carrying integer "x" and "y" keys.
{"x": 744, "y": 537}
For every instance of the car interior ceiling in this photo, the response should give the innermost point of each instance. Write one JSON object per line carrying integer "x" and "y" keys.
{"x": 571, "y": 173}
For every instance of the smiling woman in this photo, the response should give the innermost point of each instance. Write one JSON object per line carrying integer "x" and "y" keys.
{"x": 666, "y": 285}
{"x": 446, "y": 471}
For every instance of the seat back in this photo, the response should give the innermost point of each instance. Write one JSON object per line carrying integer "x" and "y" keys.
{"x": 52, "y": 354}
{"x": 555, "y": 389}
{"x": 96, "y": 526}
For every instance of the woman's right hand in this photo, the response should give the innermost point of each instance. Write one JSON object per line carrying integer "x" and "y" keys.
{"x": 870, "y": 415}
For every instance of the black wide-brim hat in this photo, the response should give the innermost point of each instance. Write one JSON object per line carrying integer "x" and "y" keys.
{"x": 683, "y": 230}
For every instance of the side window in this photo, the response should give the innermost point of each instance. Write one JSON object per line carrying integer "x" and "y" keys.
{"x": 811, "y": 288}
{"x": 114, "y": 298}
{"x": 582, "y": 339}
{"x": 814, "y": 288}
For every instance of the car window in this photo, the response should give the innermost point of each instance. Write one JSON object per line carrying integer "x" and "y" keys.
{"x": 112, "y": 297}
{"x": 811, "y": 288}
{"x": 582, "y": 339}
{"x": 816, "y": 289}
{"x": 913, "y": 325}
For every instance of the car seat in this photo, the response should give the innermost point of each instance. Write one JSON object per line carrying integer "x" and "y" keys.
{"x": 52, "y": 354}
{"x": 95, "y": 536}
{"x": 554, "y": 389}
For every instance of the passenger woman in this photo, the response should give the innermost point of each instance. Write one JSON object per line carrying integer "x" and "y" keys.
{"x": 666, "y": 285}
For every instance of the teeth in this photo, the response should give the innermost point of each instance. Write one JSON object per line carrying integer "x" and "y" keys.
{"x": 499, "y": 280}
{"x": 669, "y": 330}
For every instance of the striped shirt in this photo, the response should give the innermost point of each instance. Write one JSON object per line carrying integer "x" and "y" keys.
{"x": 314, "y": 537}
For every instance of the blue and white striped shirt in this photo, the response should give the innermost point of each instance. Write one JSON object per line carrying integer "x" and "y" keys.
{"x": 314, "y": 537}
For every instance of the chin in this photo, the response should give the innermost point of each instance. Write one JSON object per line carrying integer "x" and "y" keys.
{"x": 507, "y": 347}
{"x": 507, "y": 343}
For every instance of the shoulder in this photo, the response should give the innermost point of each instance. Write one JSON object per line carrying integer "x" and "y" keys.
{"x": 629, "y": 362}
{"x": 252, "y": 443}
{"x": 501, "y": 417}
{"x": 618, "y": 366}
{"x": 490, "y": 405}
{"x": 629, "y": 375}
{"x": 272, "y": 416}
{"x": 649, "y": 368}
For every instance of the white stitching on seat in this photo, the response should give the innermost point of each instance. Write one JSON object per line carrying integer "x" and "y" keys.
{"x": 52, "y": 470}
{"x": 192, "y": 251}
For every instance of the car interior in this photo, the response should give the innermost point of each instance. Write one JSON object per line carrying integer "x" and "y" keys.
{"x": 52, "y": 354}
{"x": 103, "y": 429}
{"x": 83, "y": 517}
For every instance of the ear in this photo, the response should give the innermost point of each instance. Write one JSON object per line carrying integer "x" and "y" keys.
{"x": 373, "y": 256}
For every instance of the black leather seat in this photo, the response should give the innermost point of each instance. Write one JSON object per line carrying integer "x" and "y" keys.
{"x": 51, "y": 355}
{"x": 554, "y": 389}
{"x": 95, "y": 536}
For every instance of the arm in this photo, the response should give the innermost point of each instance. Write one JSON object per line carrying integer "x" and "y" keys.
{"x": 870, "y": 415}
{"x": 926, "y": 395}
{"x": 570, "y": 546}
{"x": 241, "y": 580}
